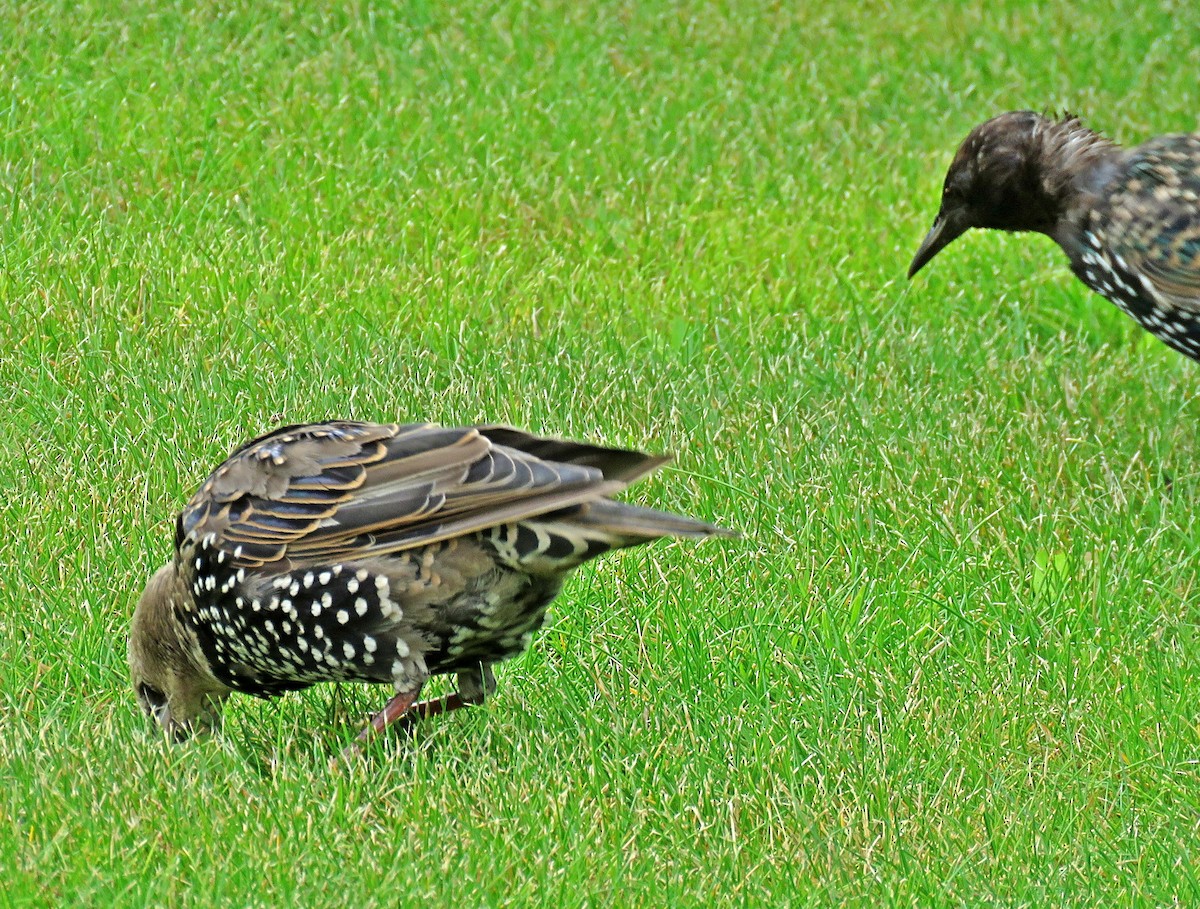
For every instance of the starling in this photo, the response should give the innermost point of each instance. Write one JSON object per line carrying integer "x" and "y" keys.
{"x": 1128, "y": 219}
{"x": 349, "y": 551}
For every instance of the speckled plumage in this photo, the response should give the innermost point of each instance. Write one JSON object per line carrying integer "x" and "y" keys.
{"x": 1128, "y": 219}
{"x": 376, "y": 553}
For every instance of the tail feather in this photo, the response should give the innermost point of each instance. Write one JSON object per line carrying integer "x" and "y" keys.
{"x": 558, "y": 541}
{"x": 633, "y": 524}
{"x": 621, "y": 464}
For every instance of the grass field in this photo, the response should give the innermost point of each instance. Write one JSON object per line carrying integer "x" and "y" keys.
{"x": 953, "y": 661}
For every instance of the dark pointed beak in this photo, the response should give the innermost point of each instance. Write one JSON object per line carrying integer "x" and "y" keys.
{"x": 946, "y": 229}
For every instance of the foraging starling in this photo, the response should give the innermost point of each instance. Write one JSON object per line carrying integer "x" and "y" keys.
{"x": 1128, "y": 219}
{"x": 350, "y": 551}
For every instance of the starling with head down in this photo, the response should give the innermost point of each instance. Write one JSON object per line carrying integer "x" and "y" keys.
{"x": 1127, "y": 218}
{"x": 361, "y": 552}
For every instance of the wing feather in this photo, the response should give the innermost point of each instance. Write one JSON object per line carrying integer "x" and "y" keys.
{"x": 1156, "y": 218}
{"x": 344, "y": 490}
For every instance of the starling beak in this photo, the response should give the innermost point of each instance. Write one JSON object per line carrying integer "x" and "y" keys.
{"x": 361, "y": 552}
{"x": 1128, "y": 219}
{"x": 947, "y": 227}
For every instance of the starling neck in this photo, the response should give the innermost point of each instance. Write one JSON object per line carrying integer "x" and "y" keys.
{"x": 1074, "y": 164}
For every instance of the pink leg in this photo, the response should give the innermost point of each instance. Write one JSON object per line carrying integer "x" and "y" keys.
{"x": 401, "y": 710}
{"x": 433, "y": 707}
{"x": 393, "y": 710}
{"x": 474, "y": 686}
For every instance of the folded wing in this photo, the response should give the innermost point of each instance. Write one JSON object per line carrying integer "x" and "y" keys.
{"x": 340, "y": 490}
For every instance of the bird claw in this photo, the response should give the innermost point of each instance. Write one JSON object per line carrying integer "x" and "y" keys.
{"x": 347, "y": 758}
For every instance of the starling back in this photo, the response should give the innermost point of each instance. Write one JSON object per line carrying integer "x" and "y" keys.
{"x": 1128, "y": 219}
{"x": 350, "y": 551}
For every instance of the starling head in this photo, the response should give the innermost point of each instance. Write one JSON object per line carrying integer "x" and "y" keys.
{"x": 1014, "y": 172}
{"x": 169, "y": 684}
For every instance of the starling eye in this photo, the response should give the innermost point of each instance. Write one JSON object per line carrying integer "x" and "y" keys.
{"x": 153, "y": 701}
{"x": 955, "y": 187}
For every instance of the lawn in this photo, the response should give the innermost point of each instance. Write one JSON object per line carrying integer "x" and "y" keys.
{"x": 952, "y": 660}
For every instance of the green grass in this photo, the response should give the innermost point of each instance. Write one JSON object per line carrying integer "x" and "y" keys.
{"x": 952, "y": 662}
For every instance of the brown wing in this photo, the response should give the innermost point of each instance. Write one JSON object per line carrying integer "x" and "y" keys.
{"x": 343, "y": 490}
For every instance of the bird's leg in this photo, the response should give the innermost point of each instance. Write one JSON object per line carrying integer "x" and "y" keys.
{"x": 435, "y": 706}
{"x": 474, "y": 686}
{"x": 393, "y": 710}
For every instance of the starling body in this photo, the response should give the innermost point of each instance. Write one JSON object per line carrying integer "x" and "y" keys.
{"x": 350, "y": 551}
{"x": 1127, "y": 218}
